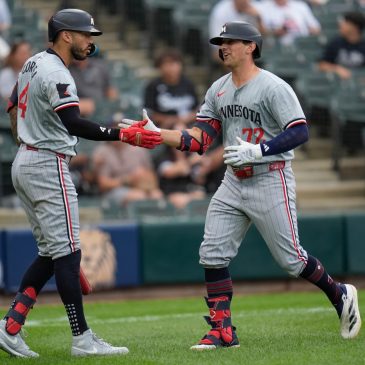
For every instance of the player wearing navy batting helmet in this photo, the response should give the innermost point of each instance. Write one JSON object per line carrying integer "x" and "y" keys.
{"x": 262, "y": 122}
{"x": 45, "y": 119}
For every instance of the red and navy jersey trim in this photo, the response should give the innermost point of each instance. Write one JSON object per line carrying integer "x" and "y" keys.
{"x": 66, "y": 105}
{"x": 294, "y": 122}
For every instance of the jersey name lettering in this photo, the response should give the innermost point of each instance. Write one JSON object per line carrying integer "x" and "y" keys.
{"x": 31, "y": 67}
{"x": 239, "y": 111}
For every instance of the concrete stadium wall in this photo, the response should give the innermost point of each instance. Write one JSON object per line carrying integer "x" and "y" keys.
{"x": 166, "y": 252}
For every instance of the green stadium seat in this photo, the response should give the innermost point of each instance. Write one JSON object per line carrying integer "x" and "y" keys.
{"x": 287, "y": 63}
{"x": 309, "y": 49}
{"x": 193, "y": 16}
{"x": 197, "y": 208}
{"x": 159, "y": 22}
{"x": 8, "y": 148}
{"x": 88, "y": 201}
{"x": 316, "y": 87}
{"x": 348, "y": 120}
{"x": 150, "y": 210}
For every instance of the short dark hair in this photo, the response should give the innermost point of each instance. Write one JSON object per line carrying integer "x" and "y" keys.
{"x": 168, "y": 55}
{"x": 356, "y": 18}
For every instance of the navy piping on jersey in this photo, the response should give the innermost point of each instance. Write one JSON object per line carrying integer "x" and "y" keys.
{"x": 52, "y": 51}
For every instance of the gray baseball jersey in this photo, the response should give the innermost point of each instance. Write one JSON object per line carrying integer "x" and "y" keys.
{"x": 256, "y": 111}
{"x": 45, "y": 86}
{"x": 264, "y": 193}
{"x": 40, "y": 171}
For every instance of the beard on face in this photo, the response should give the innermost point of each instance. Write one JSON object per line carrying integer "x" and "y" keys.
{"x": 77, "y": 53}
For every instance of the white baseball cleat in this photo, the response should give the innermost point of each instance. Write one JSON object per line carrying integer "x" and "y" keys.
{"x": 89, "y": 344}
{"x": 14, "y": 345}
{"x": 350, "y": 316}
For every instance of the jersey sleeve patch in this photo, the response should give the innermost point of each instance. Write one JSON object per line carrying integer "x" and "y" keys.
{"x": 295, "y": 122}
{"x": 62, "y": 90}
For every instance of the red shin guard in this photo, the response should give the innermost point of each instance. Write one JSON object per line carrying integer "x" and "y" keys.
{"x": 16, "y": 316}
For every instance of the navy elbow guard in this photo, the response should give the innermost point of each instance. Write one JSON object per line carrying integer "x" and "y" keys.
{"x": 190, "y": 144}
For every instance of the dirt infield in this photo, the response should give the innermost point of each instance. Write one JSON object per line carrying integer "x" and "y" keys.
{"x": 193, "y": 290}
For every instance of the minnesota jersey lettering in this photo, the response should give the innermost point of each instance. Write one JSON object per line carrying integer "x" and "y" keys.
{"x": 239, "y": 111}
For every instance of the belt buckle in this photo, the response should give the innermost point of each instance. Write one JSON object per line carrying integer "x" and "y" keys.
{"x": 276, "y": 165}
{"x": 244, "y": 172}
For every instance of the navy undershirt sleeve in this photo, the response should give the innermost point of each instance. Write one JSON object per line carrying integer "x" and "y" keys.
{"x": 84, "y": 128}
{"x": 286, "y": 141}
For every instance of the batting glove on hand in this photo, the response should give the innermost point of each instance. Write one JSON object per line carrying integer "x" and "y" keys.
{"x": 136, "y": 135}
{"x": 243, "y": 153}
{"x": 149, "y": 125}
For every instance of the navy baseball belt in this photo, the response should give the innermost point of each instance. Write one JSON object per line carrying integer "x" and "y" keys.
{"x": 247, "y": 171}
{"x": 67, "y": 158}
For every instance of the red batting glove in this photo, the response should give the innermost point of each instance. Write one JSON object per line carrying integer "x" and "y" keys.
{"x": 136, "y": 135}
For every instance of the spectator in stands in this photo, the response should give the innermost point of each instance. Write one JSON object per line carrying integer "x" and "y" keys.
{"x": 208, "y": 170}
{"x": 5, "y": 22}
{"x": 346, "y": 51}
{"x": 19, "y": 53}
{"x": 93, "y": 84}
{"x": 124, "y": 174}
{"x": 288, "y": 19}
{"x": 171, "y": 97}
{"x": 175, "y": 175}
{"x": 232, "y": 10}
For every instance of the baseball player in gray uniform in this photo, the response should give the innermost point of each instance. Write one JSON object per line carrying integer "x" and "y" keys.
{"x": 262, "y": 122}
{"x": 45, "y": 118}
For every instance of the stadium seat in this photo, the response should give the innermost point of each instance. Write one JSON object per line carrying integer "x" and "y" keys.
{"x": 348, "y": 120}
{"x": 316, "y": 87}
{"x": 8, "y": 150}
{"x": 287, "y": 63}
{"x": 150, "y": 209}
{"x": 192, "y": 19}
{"x": 309, "y": 49}
{"x": 197, "y": 208}
{"x": 159, "y": 22}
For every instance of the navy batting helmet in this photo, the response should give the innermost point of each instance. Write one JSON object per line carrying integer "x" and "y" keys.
{"x": 71, "y": 19}
{"x": 240, "y": 30}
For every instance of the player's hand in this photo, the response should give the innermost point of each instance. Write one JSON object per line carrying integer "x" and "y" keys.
{"x": 149, "y": 125}
{"x": 136, "y": 135}
{"x": 243, "y": 153}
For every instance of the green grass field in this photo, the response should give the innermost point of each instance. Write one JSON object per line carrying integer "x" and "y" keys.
{"x": 292, "y": 328}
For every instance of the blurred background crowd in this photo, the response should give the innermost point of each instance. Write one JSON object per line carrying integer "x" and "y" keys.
{"x": 155, "y": 54}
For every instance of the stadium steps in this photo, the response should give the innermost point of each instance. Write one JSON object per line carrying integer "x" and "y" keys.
{"x": 352, "y": 167}
{"x": 335, "y": 204}
{"x": 331, "y": 189}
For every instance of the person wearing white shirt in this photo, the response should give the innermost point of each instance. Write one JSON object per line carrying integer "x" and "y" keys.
{"x": 288, "y": 19}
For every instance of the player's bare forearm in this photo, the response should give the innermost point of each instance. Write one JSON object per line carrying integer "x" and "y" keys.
{"x": 13, "y": 123}
{"x": 173, "y": 137}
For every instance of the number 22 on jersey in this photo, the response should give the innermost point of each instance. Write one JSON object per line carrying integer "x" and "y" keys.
{"x": 257, "y": 133}
{"x": 23, "y": 99}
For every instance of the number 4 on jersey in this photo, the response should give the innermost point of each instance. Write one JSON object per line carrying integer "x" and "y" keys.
{"x": 23, "y": 99}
